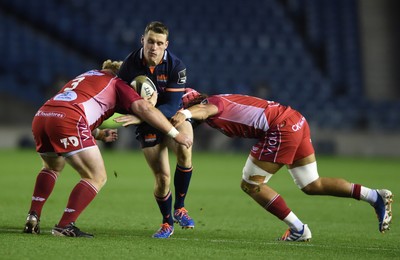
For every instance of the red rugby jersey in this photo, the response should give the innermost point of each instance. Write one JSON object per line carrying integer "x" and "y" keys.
{"x": 245, "y": 116}
{"x": 96, "y": 95}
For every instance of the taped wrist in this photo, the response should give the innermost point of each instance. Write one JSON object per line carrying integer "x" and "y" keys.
{"x": 173, "y": 132}
{"x": 187, "y": 113}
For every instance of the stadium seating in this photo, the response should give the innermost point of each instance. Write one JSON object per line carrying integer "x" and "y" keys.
{"x": 300, "y": 52}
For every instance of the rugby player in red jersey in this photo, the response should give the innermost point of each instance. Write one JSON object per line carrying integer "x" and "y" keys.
{"x": 283, "y": 138}
{"x": 168, "y": 73}
{"x": 65, "y": 129}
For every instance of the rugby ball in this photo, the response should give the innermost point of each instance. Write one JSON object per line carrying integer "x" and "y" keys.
{"x": 143, "y": 86}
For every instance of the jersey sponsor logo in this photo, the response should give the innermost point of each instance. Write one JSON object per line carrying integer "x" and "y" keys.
{"x": 182, "y": 77}
{"x": 84, "y": 132}
{"x": 38, "y": 199}
{"x": 296, "y": 127}
{"x": 50, "y": 114}
{"x": 69, "y": 210}
{"x": 66, "y": 96}
{"x": 150, "y": 138}
{"x": 162, "y": 78}
{"x": 72, "y": 140}
{"x": 272, "y": 143}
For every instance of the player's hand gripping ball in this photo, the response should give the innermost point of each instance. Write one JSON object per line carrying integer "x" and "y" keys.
{"x": 143, "y": 86}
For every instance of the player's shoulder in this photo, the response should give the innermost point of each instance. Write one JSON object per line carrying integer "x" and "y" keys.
{"x": 135, "y": 56}
{"x": 94, "y": 72}
{"x": 121, "y": 84}
{"x": 171, "y": 54}
{"x": 132, "y": 66}
{"x": 229, "y": 98}
{"x": 174, "y": 59}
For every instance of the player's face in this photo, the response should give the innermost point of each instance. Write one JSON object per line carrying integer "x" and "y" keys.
{"x": 154, "y": 45}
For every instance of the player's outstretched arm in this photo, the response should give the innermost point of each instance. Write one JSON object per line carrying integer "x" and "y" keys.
{"x": 128, "y": 120}
{"x": 154, "y": 117}
{"x": 197, "y": 112}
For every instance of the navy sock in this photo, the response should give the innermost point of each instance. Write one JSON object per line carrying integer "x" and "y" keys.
{"x": 181, "y": 181}
{"x": 165, "y": 205}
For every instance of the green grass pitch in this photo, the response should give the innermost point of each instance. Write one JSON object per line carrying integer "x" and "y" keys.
{"x": 229, "y": 225}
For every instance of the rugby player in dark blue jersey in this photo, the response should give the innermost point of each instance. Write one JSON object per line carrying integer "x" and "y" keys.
{"x": 168, "y": 73}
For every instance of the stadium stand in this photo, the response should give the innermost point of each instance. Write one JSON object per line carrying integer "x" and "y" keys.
{"x": 300, "y": 52}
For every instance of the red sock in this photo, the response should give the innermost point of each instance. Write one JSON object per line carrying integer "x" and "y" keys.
{"x": 44, "y": 185}
{"x": 80, "y": 197}
{"x": 356, "y": 191}
{"x": 277, "y": 206}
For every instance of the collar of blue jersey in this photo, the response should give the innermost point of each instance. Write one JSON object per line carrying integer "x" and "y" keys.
{"x": 164, "y": 58}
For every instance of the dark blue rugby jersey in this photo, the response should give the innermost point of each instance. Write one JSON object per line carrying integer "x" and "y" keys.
{"x": 169, "y": 77}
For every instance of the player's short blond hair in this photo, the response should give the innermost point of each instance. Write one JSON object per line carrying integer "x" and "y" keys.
{"x": 157, "y": 27}
{"x": 112, "y": 65}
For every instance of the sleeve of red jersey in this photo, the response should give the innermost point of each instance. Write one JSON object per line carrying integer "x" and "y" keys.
{"x": 125, "y": 95}
{"x": 216, "y": 101}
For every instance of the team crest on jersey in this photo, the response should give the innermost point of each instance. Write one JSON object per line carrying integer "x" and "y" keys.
{"x": 66, "y": 96}
{"x": 182, "y": 77}
{"x": 92, "y": 73}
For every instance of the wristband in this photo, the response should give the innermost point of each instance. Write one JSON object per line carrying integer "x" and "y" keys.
{"x": 187, "y": 113}
{"x": 173, "y": 132}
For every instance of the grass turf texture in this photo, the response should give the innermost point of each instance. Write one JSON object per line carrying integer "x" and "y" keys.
{"x": 229, "y": 225}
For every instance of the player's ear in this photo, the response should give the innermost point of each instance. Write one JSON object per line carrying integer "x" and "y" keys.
{"x": 142, "y": 40}
{"x": 166, "y": 44}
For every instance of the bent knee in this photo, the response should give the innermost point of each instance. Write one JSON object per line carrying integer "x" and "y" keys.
{"x": 162, "y": 180}
{"x": 184, "y": 156}
{"x": 314, "y": 188}
{"x": 249, "y": 188}
{"x": 100, "y": 181}
{"x": 97, "y": 181}
{"x": 185, "y": 161}
{"x": 103, "y": 181}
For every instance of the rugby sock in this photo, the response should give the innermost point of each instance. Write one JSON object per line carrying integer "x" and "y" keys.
{"x": 82, "y": 194}
{"x": 165, "y": 205}
{"x": 45, "y": 182}
{"x": 181, "y": 181}
{"x": 355, "y": 191}
{"x": 368, "y": 195}
{"x": 277, "y": 206}
{"x": 293, "y": 222}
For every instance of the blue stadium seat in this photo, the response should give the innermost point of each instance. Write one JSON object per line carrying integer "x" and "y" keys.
{"x": 295, "y": 47}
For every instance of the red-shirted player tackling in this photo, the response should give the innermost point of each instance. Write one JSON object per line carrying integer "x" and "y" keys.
{"x": 62, "y": 129}
{"x": 283, "y": 139}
